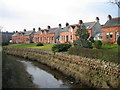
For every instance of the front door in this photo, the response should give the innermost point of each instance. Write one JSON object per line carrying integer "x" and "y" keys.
{"x": 67, "y": 38}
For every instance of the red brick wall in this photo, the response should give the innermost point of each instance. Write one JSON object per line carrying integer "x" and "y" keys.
{"x": 68, "y": 36}
{"x": 36, "y": 38}
{"x": 108, "y": 30}
{"x": 26, "y": 39}
{"x": 44, "y": 38}
{"x": 21, "y": 38}
{"x": 68, "y": 33}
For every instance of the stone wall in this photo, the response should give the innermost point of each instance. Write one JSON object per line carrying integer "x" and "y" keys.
{"x": 92, "y": 72}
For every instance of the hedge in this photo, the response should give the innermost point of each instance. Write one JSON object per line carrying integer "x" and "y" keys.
{"x": 96, "y": 54}
{"x": 39, "y": 44}
{"x": 61, "y": 47}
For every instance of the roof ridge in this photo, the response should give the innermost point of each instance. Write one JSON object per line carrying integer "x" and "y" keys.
{"x": 89, "y": 22}
{"x": 115, "y": 17}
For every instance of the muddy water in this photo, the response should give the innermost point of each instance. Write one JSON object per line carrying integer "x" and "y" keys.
{"x": 45, "y": 77}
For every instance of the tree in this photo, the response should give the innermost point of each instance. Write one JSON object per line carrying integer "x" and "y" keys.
{"x": 97, "y": 44}
{"x": 117, "y": 2}
{"x": 118, "y": 41}
{"x": 83, "y": 36}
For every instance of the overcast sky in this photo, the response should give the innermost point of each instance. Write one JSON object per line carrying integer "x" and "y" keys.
{"x": 29, "y": 14}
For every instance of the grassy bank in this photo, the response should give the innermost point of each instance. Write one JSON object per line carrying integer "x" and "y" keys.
{"x": 90, "y": 72}
{"x": 14, "y": 74}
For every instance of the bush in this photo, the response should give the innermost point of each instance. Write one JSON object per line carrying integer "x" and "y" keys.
{"x": 5, "y": 43}
{"x": 96, "y": 54}
{"x": 40, "y": 44}
{"x": 60, "y": 47}
{"x": 118, "y": 41}
{"x": 97, "y": 44}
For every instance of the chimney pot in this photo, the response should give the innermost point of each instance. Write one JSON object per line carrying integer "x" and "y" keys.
{"x": 97, "y": 19}
{"x": 60, "y": 25}
{"x": 34, "y": 29}
{"x": 48, "y": 27}
{"x": 24, "y": 30}
{"x": 109, "y": 17}
{"x": 67, "y": 24}
{"x": 39, "y": 28}
{"x": 80, "y": 22}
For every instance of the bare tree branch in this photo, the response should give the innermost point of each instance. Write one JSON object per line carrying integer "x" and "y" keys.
{"x": 117, "y": 2}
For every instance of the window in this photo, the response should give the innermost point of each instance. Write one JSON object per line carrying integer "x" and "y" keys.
{"x": 70, "y": 37}
{"x": 111, "y": 35}
{"x": 88, "y": 27}
{"x": 71, "y": 29}
{"x": 63, "y": 38}
{"x": 107, "y": 35}
{"x": 117, "y": 35}
{"x": 52, "y": 38}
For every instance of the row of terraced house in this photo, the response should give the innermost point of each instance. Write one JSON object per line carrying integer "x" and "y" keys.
{"x": 109, "y": 32}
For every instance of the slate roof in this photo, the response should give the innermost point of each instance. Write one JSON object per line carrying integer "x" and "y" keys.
{"x": 28, "y": 32}
{"x": 89, "y": 25}
{"x": 15, "y": 34}
{"x": 24, "y": 33}
{"x": 38, "y": 32}
{"x": 65, "y": 29}
{"x": 113, "y": 22}
{"x": 52, "y": 30}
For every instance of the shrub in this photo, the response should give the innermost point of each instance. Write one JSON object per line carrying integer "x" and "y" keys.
{"x": 40, "y": 44}
{"x": 61, "y": 47}
{"x": 5, "y": 43}
{"x": 97, "y": 44}
{"x": 96, "y": 54}
{"x": 118, "y": 41}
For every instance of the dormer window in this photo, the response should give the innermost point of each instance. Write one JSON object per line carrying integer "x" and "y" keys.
{"x": 45, "y": 32}
{"x": 88, "y": 27}
{"x": 71, "y": 30}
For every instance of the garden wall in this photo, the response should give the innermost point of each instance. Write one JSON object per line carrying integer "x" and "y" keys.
{"x": 92, "y": 72}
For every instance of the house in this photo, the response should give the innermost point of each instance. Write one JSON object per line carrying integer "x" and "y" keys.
{"x": 45, "y": 35}
{"x": 6, "y": 36}
{"x": 49, "y": 35}
{"x": 68, "y": 34}
{"x": 111, "y": 30}
{"x": 23, "y": 37}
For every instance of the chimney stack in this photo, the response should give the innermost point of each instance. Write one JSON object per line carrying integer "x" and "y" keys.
{"x": 97, "y": 19}
{"x": 67, "y": 24}
{"x": 39, "y": 29}
{"x": 60, "y": 25}
{"x": 109, "y": 17}
{"x": 80, "y": 22}
{"x": 24, "y": 30}
{"x": 48, "y": 27}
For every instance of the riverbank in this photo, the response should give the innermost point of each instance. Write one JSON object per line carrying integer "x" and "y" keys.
{"x": 91, "y": 72}
{"x": 14, "y": 74}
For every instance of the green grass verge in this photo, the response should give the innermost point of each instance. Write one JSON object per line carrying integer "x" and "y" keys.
{"x": 105, "y": 46}
{"x": 32, "y": 45}
{"x": 111, "y": 47}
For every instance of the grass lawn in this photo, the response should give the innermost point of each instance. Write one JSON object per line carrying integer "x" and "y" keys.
{"x": 111, "y": 47}
{"x": 32, "y": 45}
{"x": 106, "y": 46}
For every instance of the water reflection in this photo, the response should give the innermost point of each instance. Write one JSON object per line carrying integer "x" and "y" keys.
{"x": 42, "y": 78}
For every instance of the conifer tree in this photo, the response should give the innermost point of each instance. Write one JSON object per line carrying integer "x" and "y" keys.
{"x": 82, "y": 40}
